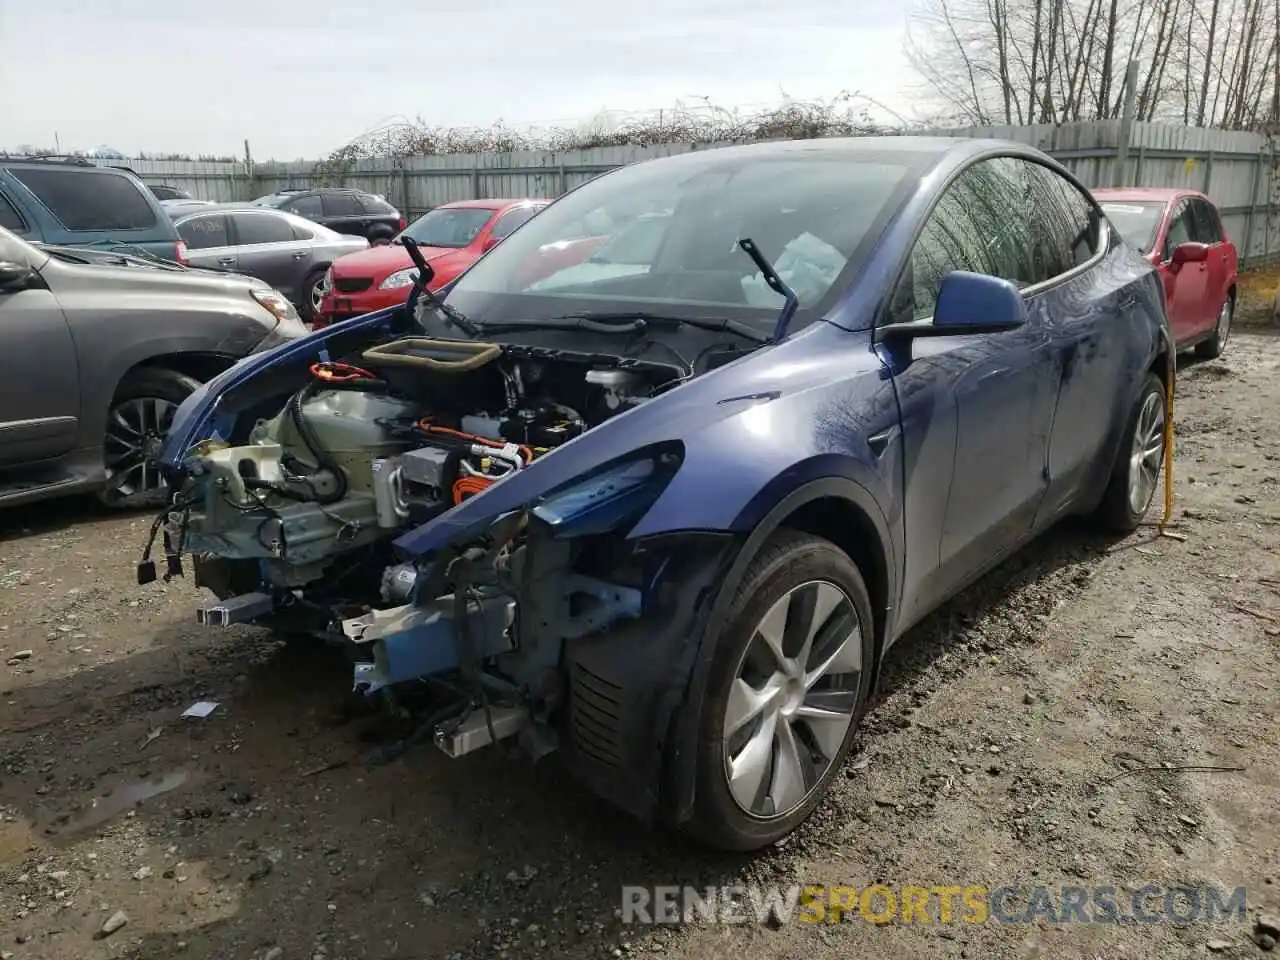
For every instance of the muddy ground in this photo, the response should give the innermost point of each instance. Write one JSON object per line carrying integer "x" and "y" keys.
{"x": 991, "y": 757}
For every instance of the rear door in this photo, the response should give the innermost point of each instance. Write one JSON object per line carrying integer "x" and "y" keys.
{"x": 1096, "y": 344}
{"x": 1220, "y": 267}
{"x": 267, "y": 249}
{"x": 1186, "y": 287}
{"x": 39, "y": 370}
{"x": 209, "y": 241}
{"x": 342, "y": 212}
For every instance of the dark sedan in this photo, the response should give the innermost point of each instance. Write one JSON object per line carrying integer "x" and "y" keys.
{"x": 287, "y": 251}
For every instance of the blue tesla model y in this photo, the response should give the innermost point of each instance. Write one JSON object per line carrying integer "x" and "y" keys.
{"x": 660, "y": 479}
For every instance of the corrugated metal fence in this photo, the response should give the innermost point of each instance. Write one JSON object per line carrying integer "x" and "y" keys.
{"x": 1237, "y": 170}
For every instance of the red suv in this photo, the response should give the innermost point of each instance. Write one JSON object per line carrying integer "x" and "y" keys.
{"x": 1181, "y": 233}
{"x": 452, "y": 237}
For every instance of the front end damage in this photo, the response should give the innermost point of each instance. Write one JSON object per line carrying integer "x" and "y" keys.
{"x": 537, "y": 619}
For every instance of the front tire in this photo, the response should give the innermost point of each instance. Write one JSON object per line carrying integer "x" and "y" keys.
{"x": 1135, "y": 475}
{"x": 137, "y": 423}
{"x": 1212, "y": 348}
{"x": 788, "y": 683}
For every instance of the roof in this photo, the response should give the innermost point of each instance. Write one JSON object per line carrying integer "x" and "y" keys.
{"x": 1160, "y": 194}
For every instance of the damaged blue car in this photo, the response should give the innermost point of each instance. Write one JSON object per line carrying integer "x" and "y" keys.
{"x": 660, "y": 479}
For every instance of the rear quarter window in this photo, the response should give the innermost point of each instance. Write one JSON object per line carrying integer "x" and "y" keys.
{"x": 10, "y": 218}
{"x": 84, "y": 200}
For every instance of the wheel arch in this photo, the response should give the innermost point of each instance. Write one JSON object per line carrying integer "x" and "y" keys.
{"x": 197, "y": 365}
{"x": 839, "y": 510}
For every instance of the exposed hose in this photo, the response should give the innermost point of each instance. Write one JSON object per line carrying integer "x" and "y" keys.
{"x": 324, "y": 458}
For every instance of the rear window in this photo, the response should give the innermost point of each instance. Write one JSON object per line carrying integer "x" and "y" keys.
{"x": 306, "y": 206}
{"x": 254, "y": 228}
{"x": 85, "y": 200}
{"x": 341, "y": 205}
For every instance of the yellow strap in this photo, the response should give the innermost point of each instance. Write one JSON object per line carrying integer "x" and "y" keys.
{"x": 1168, "y": 455}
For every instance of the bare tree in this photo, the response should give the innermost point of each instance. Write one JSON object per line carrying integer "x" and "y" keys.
{"x": 1211, "y": 62}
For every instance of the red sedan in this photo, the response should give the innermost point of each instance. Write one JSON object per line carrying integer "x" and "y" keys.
{"x": 452, "y": 237}
{"x": 1181, "y": 233}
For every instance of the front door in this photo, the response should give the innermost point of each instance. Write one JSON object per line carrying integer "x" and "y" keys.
{"x": 39, "y": 372}
{"x": 976, "y": 410}
{"x": 1186, "y": 286}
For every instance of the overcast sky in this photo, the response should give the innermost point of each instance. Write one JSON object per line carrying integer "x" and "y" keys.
{"x": 300, "y": 78}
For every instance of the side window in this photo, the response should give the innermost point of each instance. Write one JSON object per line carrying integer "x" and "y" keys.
{"x": 204, "y": 233}
{"x": 1205, "y": 227}
{"x": 301, "y": 233}
{"x": 85, "y": 200}
{"x": 1073, "y": 226}
{"x": 307, "y": 206}
{"x": 255, "y": 228}
{"x": 10, "y": 218}
{"x": 509, "y": 221}
{"x": 1180, "y": 228}
{"x": 341, "y": 205}
{"x": 970, "y": 229}
{"x": 372, "y": 205}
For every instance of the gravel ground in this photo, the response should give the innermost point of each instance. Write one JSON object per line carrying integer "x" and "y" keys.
{"x": 264, "y": 831}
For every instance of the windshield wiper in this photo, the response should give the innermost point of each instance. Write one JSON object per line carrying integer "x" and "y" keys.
{"x": 612, "y": 319}
{"x": 593, "y": 322}
{"x": 419, "y": 289}
{"x": 776, "y": 284}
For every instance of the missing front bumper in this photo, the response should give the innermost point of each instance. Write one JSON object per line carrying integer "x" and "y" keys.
{"x": 411, "y": 642}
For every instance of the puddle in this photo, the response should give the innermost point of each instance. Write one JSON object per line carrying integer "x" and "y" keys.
{"x": 116, "y": 802}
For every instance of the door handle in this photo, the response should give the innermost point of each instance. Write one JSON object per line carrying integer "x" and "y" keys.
{"x": 227, "y": 261}
{"x": 299, "y": 255}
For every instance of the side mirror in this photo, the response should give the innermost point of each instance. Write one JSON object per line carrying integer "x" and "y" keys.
{"x": 1190, "y": 253}
{"x": 13, "y": 276}
{"x": 977, "y": 303}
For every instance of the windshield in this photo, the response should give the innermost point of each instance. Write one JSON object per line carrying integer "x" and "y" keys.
{"x": 448, "y": 226}
{"x": 1137, "y": 222}
{"x": 663, "y": 236}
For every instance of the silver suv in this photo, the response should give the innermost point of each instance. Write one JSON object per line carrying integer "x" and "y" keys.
{"x": 98, "y": 350}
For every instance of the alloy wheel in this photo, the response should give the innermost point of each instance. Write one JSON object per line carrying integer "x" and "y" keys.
{"x": 135, "y": 434}
{"x": 317, "y": 294}
{"x": 793, "y": 699}
{"x": 1224, "y": 323}
{"x": 1146, "y": 453}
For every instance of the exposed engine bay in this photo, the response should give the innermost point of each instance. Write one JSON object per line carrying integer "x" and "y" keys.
{"x": 290, "y": 523}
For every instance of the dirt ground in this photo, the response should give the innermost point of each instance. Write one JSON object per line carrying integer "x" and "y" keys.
{"x": 265, "y": 831}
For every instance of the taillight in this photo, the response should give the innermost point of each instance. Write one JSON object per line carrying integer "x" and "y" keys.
{"x": 180, "y": 252}
{"x": 403, "y": 223}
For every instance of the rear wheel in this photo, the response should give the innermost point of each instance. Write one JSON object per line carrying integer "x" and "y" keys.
{"x": 137, "y": 423}
{"x": 1212, "y": 348}
{"x": 789, "y": 680}
{"x": 1136, "y": 473}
